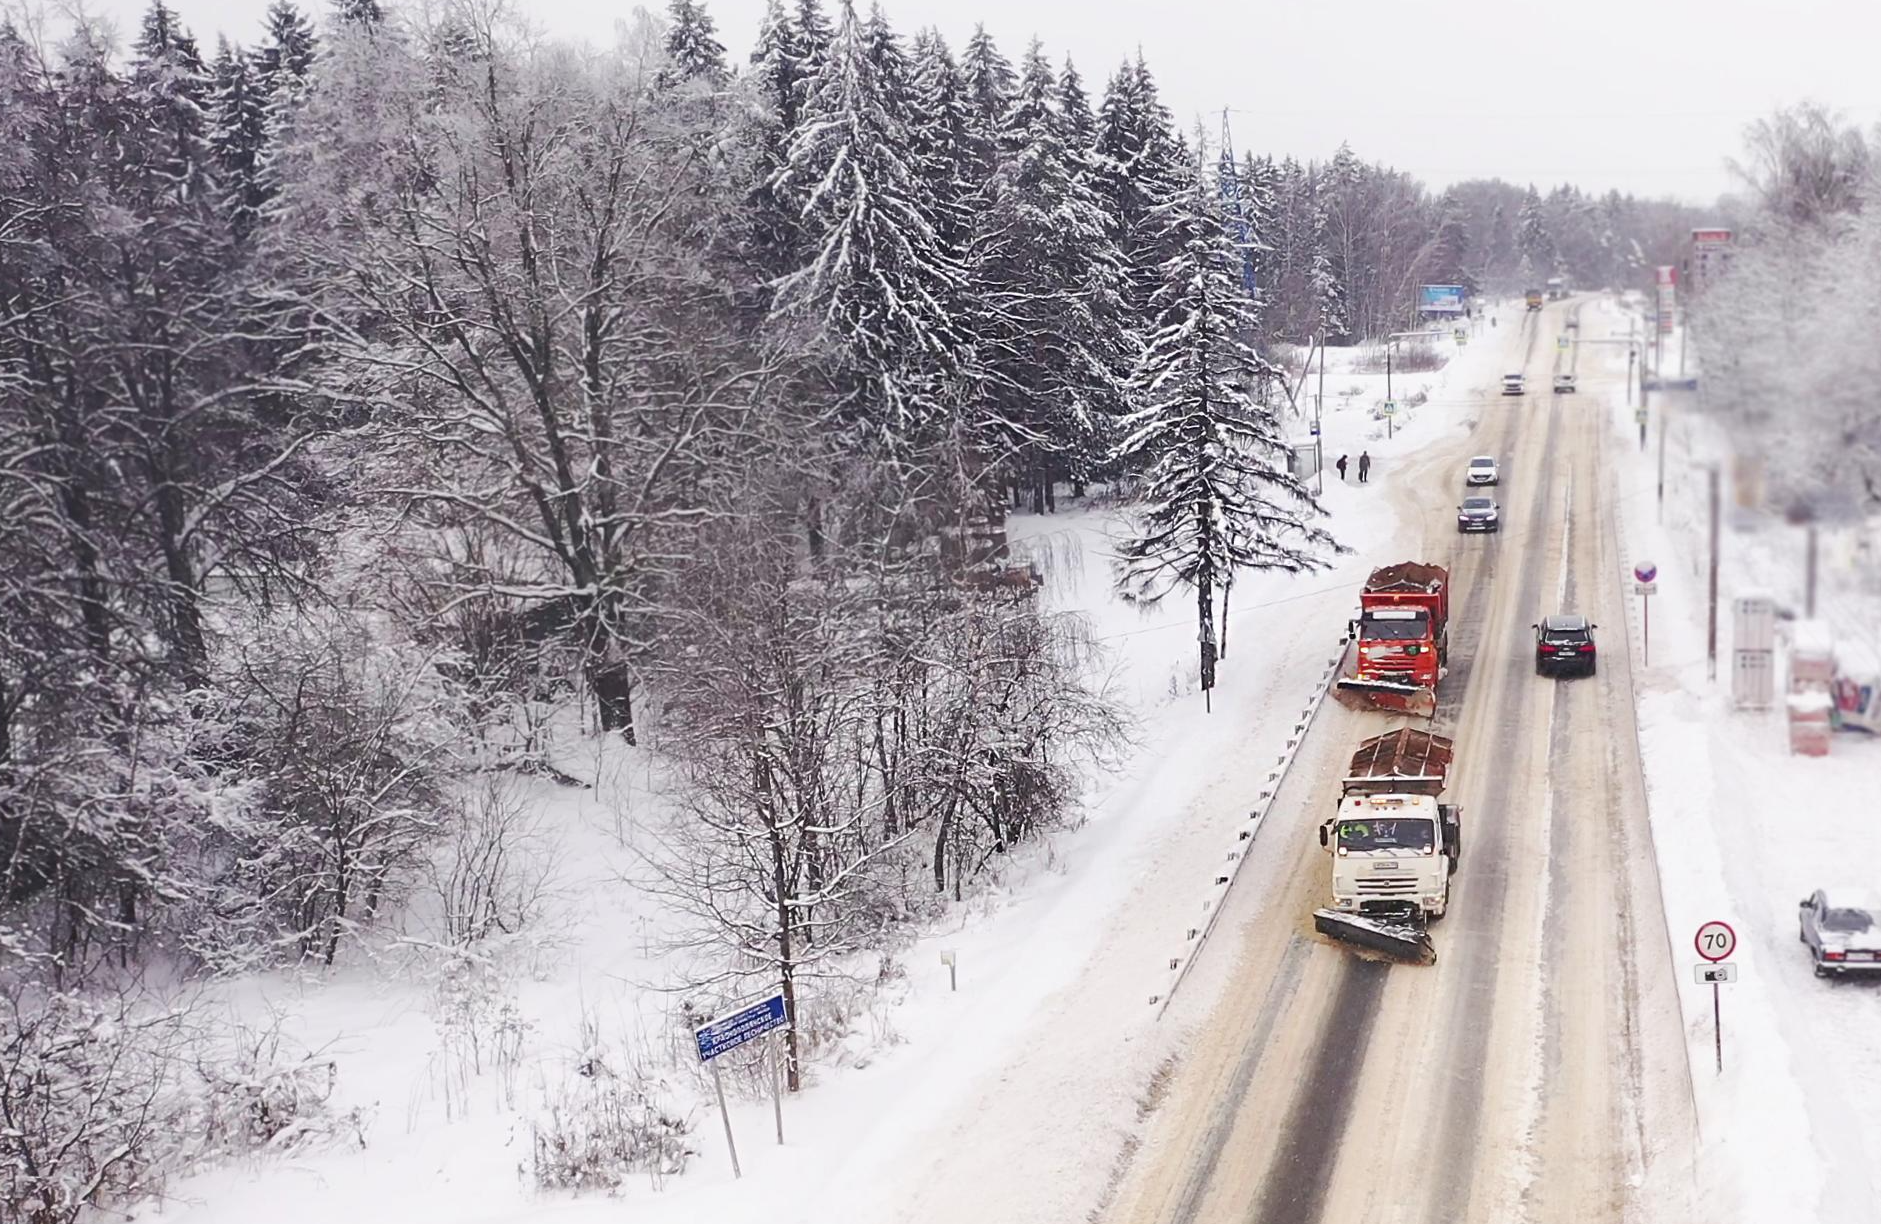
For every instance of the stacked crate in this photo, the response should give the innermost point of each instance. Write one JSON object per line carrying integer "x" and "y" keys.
{"x": 1753, "y": 652}
{"x": 1812, "y": 671}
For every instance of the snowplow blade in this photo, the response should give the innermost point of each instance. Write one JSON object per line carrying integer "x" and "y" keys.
{"x": 1405, "y": 942}
{"x": 1414, "y": 699}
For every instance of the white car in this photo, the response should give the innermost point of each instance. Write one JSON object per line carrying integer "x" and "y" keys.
{"x": 1843, "y": 934}
{"x": 1512, "y": 384}
{"x": 1564, "y": 384}
{"x": 1482, "y": 471}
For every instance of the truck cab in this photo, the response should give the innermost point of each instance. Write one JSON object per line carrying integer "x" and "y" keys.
{"x": 1393, "y": 854}
{"x": 1533, "y": 298}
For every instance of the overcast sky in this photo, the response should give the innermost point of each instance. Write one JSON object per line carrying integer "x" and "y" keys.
{"x": 1647, "y": 96}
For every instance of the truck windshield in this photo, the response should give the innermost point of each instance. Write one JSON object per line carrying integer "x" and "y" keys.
{"x": 1388, "y": 834}
{"x": 1391, "y": 631}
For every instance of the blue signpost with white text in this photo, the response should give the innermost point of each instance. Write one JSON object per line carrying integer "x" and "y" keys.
{"x": 1440, "y": 299}
{"x": 727, "y": 1033}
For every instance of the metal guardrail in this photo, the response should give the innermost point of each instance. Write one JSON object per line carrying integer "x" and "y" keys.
{"x": 1196, "y": 937}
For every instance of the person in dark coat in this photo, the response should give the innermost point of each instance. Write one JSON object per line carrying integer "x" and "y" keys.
{"x": 1341, "y": 466}
{"x": 1365, "y": 466}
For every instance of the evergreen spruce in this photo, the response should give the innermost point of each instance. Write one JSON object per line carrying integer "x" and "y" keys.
{"x": 874, "y": 274}
{"x": 1216, "y": 494}
{"x": 239, "y": 136}
{"x": 693, "y": 51}
{"x": 1054, "y": 344}
{"x": 286, "y": 55}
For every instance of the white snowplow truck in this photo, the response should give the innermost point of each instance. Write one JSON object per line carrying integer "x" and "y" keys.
{"x": 1394, "y": 847}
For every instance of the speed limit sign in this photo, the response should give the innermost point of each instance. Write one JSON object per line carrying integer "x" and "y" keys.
{"x": 1716, "y": 941}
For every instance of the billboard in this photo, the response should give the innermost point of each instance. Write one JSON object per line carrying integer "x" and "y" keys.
{"x": 1440, "y": 299}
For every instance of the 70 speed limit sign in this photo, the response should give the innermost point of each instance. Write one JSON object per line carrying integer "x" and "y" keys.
{"x": 1716, "y": 941}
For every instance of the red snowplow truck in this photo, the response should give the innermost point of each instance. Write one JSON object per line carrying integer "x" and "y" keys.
{"x": 1403, "y": 643}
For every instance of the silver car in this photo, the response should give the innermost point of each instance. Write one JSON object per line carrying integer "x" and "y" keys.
{"x": 1843, "y": 933}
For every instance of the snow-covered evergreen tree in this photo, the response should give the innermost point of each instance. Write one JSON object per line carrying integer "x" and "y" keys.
{"x": 287, "y": 50}
{"x": 813, "y": 34}
{"x": 874, "y": 275}
{"x": 170, "y": 84}
{"x": 238, "y": 135}
{"x": 1054, "y": 345}
{"x": 693, "y": 51}
{"x": 891, "y": 62}
{"x": 941, "y": 138}
{"x": 990, "y": 81}
{"x": 778, "y": 80}
{"x": 1140, "y": 170}
{"x": 1257, "y": 205}
{"x": 1216, "y": 495}
{"x": 1533, "y": 240}
{"x": 369, "y": 13}
{"x": 1451, "y": 254}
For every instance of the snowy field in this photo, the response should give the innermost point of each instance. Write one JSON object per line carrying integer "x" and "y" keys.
{"x": 1792, "y": 1128}
{"x": 1050, "y": 1034}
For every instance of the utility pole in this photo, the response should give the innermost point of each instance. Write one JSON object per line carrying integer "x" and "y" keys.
{"x": 1662, "y": 416}
{"x": 1809, "y": 574}
{"x": 1319, "y": 399}
{"x": 1711, "y": 631}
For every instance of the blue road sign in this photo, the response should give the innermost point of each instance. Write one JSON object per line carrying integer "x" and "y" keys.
{"x": 1440, "y": 299}
{"x": 728, "y": 1032}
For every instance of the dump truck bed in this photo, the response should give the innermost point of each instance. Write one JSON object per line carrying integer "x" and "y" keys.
{"x": 1406, "y": 761}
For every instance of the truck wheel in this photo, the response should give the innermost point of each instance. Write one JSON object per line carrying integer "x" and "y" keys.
{"x": 1822, "y": 970}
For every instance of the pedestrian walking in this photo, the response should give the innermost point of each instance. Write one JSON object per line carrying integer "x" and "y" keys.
{"x": 1341, "y": 466}
{"x": 1365, "y": 466}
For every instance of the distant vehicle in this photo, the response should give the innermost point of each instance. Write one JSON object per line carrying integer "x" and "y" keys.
{"x": 1514, "y": 384}
{"x": 1565, "y": 644}
{"x": 1483, "y": 471}
{"x": 1479, "y": 514}
{"x": 1564, "y": 384}
{"x": 1533, "y": 297}
{"x": 1843, "y": 934}
{"x": 1557, "y": 288}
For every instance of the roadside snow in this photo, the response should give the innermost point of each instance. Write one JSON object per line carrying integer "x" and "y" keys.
{"x": 1791, "y": 1129}
{"x": 1050, "y": 1039}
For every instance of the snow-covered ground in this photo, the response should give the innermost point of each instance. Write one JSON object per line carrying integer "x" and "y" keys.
{"x": 1791, "y": 1130}
{"x": 1050, "y": 1039}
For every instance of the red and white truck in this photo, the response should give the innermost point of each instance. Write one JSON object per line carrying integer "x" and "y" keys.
{"x": 1403, "y": 644}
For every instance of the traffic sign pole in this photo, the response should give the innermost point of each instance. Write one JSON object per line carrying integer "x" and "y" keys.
{"x": 1715, "y": 941}
{"x": 731, "y": 1144}
{"x": 1644, "y": 574}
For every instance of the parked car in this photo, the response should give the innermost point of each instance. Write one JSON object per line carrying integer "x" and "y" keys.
{"x": 1513, "y": 384}
{"x": 1483, "y": 471}
{"x": 1479, "y": 514}
{"x": 1843, "y": 933}
{"x": 1564, "y": 384}
{"x": 1565, "y": 644}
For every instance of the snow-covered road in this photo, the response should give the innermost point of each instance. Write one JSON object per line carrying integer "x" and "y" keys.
{"x": 1534, "y": 1072}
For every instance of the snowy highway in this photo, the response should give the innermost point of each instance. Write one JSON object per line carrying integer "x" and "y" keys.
{"x": 1534, "y": 1071}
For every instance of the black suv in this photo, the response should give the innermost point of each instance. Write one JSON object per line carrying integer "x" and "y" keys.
{"x": 1565, "y": 644}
